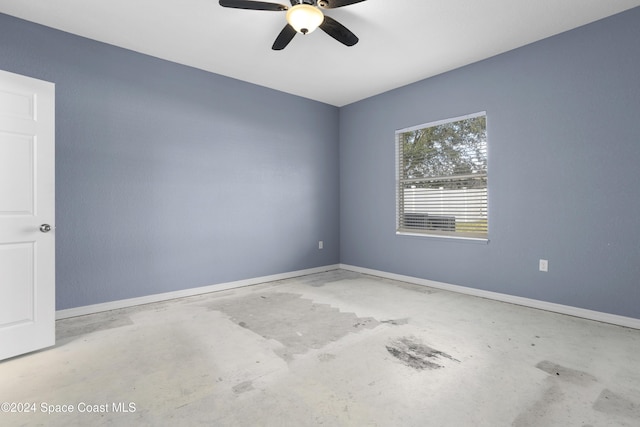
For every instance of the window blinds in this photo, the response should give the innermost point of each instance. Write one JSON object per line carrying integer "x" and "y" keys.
{"x": 442, "y": 178}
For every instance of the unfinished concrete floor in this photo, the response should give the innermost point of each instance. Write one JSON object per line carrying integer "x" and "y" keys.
{"x": 336, "y": 349}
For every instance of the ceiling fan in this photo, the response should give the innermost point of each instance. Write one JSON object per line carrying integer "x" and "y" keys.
{"x": 304, "y": 16}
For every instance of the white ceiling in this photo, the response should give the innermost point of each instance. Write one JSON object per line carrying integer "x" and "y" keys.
{"x": 401, "y": 41}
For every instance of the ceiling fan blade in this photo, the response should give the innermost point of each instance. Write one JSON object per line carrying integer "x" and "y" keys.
{"x": 253, "y": 5}
{"x": 283, "y": 39}
{"x": 332, "y": 4}
{"x": 338, "y": 31}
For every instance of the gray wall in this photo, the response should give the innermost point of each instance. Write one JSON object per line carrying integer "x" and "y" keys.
{"x": 169, "y": 178}
{"x": 563, "y": 120}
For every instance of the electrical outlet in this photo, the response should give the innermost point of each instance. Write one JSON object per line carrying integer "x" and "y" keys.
{"x": 544, "y": 265}
{"x": 320, "y": 244}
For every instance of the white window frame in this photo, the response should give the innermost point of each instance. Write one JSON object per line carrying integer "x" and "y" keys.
{"x": 440, "y": 226}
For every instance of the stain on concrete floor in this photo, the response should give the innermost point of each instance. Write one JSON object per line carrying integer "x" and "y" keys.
{"x": 396, "y": 322}
{"x": 243, "y": 387}
{"x": 566, "y": 374}
{"x": 413, "y": 353}
{"x": 326, "y": 357}
{"x": 613, "y": 403}
{"x": 537, "y": 413}
{"x": 298, "y": 324}
{"x": 563, "y": 382}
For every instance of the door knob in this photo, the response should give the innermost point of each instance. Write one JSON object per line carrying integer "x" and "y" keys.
{"x": 45, "y": 228}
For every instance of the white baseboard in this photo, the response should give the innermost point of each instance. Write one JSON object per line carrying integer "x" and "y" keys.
{"x": 113, "y": 305}
{"x": 598, "y": 316}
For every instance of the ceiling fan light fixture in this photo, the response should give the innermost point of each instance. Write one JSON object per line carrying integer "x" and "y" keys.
{"x": 305, "y": 18}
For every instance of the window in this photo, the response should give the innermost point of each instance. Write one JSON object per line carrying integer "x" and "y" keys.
{"x": 442, "y": 178}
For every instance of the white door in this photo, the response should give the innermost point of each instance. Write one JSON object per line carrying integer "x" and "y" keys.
{"x": 27, "y": 246}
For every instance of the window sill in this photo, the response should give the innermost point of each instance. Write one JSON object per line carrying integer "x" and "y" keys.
{"x": 462, "y": 239}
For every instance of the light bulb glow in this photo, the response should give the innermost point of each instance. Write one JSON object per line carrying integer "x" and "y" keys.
{"x": 304, "y": 18}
